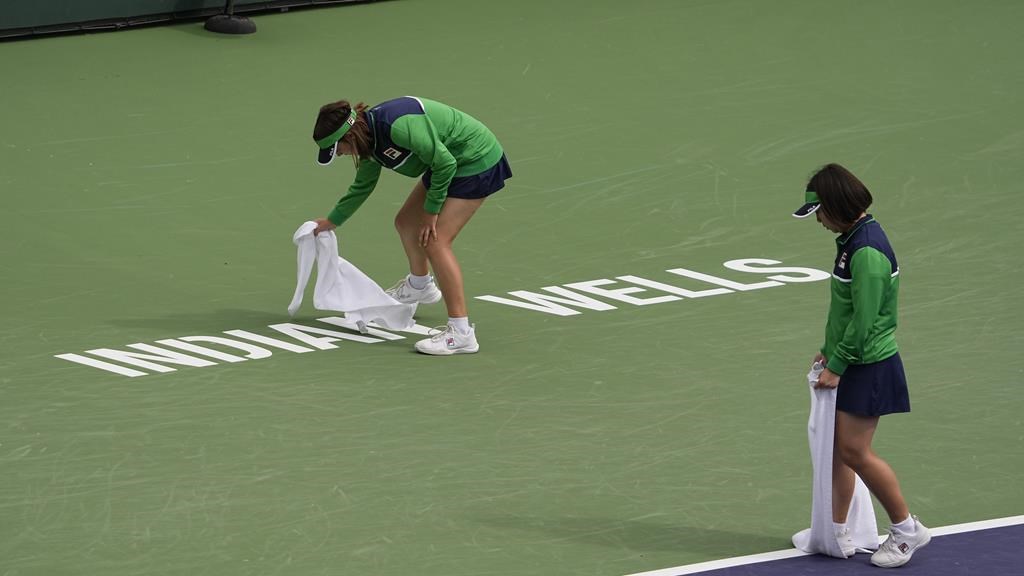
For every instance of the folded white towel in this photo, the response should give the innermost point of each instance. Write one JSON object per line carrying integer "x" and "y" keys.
{"x": 820, "y": 538}
{"x": 342, "y": 287}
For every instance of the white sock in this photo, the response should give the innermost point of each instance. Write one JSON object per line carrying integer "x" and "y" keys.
{"x": 419, "y": 282}
{"x": 460, "y": 324}
{"x": 839, "y": 528}
{"x": 907, "y": 527}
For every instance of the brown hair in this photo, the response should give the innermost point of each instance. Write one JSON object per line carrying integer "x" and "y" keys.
{"x": 843, "y": 197}
{"x": 333, "y": 115}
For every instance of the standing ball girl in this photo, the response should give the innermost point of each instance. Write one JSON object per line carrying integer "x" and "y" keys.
{"x": 861, "y": 358}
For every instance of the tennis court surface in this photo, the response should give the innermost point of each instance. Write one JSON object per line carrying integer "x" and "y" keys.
{"x": 152, "y": 179}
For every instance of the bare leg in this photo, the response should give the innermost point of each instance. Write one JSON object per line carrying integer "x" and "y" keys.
{"x": 853, "y": 442}
{"x": 843, "y": 484}
{"x": 407, "y": 223}
{"x": 454, "y": 215}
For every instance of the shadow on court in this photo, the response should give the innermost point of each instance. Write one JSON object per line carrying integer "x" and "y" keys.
{"x": 641, "y": 535}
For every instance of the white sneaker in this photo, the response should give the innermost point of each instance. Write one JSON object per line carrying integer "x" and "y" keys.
{"x": 899, "y": 547}
{"x": 406, "y": 294}
{"x": 846, "y": 543}
{"x": 448, "y": 341}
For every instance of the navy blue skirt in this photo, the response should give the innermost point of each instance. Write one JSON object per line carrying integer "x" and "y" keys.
{"x": 874, "y": 389}
{"x": 479, "y": 185}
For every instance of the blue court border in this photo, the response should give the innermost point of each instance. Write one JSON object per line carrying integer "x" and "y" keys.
{"x": 984, "y": 547}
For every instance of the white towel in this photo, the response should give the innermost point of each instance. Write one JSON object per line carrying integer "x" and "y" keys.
{"x": 820, "y": 538}
{"x": 342, "y": 287}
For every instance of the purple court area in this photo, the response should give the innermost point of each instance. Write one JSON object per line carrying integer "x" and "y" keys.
{"x": 990, "y": 552}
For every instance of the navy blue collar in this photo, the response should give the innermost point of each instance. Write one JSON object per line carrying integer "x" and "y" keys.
{"x": 845, "y": 237}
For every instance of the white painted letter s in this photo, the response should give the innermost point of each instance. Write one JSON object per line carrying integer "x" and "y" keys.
{"x": 809, "y": 274}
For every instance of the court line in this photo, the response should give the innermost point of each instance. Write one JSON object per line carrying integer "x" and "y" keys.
{"x": 794, "y": 553}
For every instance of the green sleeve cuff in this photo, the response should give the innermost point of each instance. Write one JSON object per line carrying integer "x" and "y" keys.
{"x": 336, "y": 217}
{"x": 433, "y": 206}
{"x": 836, "y": 365}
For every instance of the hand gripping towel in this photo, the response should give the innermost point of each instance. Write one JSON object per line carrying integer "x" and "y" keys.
{"x": 341, "y": 287}
{"x": 820, "y": 538}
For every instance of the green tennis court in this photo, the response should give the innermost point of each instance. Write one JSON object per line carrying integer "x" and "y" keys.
{"x": 152, "y": 179}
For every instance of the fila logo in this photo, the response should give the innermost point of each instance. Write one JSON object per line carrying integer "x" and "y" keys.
{"x": 904, "y": 547}
{"x": 842, "y": 261}
{"x": 392, "y": 153}
{"x": 450, "y": 342}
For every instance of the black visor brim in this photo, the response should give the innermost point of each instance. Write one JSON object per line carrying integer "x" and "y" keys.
{"x": 326, "y": 155}
{"x": 806, "y": 210}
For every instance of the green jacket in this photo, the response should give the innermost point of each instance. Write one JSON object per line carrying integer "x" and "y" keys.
{"x": 412, "y": 135}
{"x": 861, "y": 327}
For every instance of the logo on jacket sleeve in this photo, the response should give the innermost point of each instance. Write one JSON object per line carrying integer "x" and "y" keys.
{"x": 842, "y": 261}
{"x": 392, "y": 153}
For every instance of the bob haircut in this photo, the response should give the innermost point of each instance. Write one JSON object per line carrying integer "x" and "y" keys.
{"x": 842, "y": 195}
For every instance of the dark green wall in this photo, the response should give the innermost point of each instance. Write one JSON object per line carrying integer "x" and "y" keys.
{"x": 49, "y": 14}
